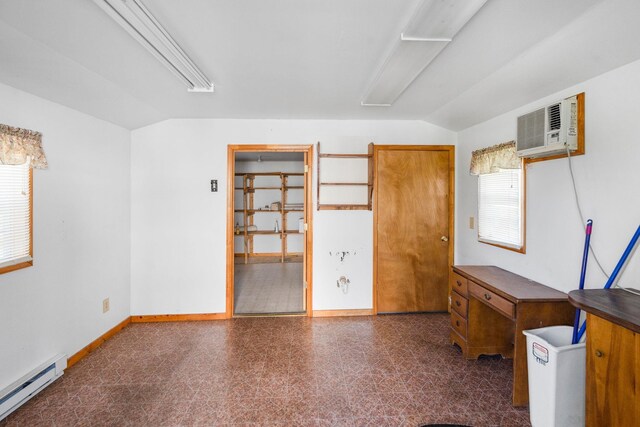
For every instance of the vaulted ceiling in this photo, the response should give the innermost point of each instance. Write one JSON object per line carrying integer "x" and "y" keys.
{"x": 309, "y": 59}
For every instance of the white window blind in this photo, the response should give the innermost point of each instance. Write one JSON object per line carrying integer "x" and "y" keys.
{"x": 500, "y": 208}
{"x": 15, "y": 214}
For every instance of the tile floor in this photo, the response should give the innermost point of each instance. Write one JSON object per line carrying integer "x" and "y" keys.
{"x": 394, "y": 370}
{"x": 268, "y": 288}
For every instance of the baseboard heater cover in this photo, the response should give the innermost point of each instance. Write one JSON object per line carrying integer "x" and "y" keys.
{"x": 18, "y": 393}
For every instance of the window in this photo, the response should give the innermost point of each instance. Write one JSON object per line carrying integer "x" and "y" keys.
{"x": 501, "y": 208}
{"x": 20, "y": 152}
{"x": 15, "y": 217}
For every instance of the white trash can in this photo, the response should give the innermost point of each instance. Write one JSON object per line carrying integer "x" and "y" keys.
{"x": 556, "y": 377}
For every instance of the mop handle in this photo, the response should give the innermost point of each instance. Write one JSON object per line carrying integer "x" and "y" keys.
{"x": 583, "y": 272}
{"x": 615, "y": 273}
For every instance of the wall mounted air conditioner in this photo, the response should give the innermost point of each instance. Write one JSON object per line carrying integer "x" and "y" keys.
{"x": 549, "y": 130}
{"x": 18, "y": 393}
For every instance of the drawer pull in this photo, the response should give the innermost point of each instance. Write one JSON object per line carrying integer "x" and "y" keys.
{"x": 487, "y": 297}
{"x": 458, "y": 324}
{"x": 459, "y": 282}
{"x": 599, "y": 353}
{"x": 458, "y": 303}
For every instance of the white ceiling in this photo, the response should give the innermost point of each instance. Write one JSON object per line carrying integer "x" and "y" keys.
{"x": 309, "y": 59}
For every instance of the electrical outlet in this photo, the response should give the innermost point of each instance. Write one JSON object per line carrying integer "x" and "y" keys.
{"x": 105, "y": 305}
{"x": 471, "y": 222}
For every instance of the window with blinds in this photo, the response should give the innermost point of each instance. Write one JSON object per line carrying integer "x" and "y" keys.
{"x": 15, "y": 216}
{"x": 500, "y": 208}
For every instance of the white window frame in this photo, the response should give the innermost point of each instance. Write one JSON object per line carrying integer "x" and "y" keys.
{"x": 481, "y": 215}
{"x": 21, "y": 260}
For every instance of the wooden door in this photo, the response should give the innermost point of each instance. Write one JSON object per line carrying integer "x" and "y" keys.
{"x": 413, "y": 231}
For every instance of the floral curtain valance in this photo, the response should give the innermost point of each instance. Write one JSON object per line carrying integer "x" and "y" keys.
{"x": 16, "y": 145}
{"x": 494, "y": 158}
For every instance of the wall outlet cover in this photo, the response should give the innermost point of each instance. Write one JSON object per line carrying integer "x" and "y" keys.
{"x": 105, "y": 305}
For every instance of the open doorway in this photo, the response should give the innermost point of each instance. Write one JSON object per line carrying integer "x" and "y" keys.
{"x": 269, "y": 219}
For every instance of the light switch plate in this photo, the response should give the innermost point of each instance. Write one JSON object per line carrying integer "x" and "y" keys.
{"x": 472, "y": 222}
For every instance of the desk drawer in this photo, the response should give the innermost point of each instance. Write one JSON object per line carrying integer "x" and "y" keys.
{"x": 459, "y": 324}
{"x": 459, "y": 283}
{"x": 459, "y": 304}
{"x": 496, "y": 301}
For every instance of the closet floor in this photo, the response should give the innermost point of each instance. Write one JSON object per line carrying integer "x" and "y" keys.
{"x": 270, "y": 288}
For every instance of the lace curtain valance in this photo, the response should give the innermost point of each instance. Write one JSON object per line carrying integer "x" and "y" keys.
{"x": 16, "y": 145}
{"x": 494, "y": 158}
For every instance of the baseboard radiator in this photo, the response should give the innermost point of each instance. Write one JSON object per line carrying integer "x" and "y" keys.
{"x": 18, "y": 393}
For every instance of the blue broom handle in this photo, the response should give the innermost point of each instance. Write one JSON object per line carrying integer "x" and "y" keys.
{"x": 583, "y": 272}
{"x": 615, "y": 273}
{"x": 622, "y": 261}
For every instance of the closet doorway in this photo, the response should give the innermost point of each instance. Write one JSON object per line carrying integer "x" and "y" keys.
{"x": 268, "y": 230}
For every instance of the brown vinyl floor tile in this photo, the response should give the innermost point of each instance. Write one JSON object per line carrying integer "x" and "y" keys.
{"x": 393, "y": 370}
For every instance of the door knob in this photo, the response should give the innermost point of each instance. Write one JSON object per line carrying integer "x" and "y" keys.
{"x": 444, "y": 238}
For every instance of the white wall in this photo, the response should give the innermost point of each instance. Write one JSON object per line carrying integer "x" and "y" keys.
{"x": 607, "y": 180}
{"x": 178, "y": 226}
{"x": 81, "y": 237}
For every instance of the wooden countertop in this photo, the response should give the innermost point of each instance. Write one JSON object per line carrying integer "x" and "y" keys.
{"x": 509, "y": 285}
{"x": 615, "y": 305}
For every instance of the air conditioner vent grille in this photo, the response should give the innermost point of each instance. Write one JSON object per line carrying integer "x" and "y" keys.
{"x": 555, "y": 120}
{"x": 531, "y": 130}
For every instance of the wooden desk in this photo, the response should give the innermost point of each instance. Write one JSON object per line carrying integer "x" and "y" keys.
{"x": 613, "y": 356}
{"x": 490, "y": 307}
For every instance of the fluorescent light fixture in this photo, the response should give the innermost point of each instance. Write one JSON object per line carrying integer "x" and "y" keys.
{"x": 406, "y": 62}
{"x": 136, "y": 19}
{"x": 432, "y": 27}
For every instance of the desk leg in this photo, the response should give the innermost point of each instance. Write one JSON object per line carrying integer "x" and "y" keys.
{"x": 533, "y": 316}
{"x": 520, "y": 392}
